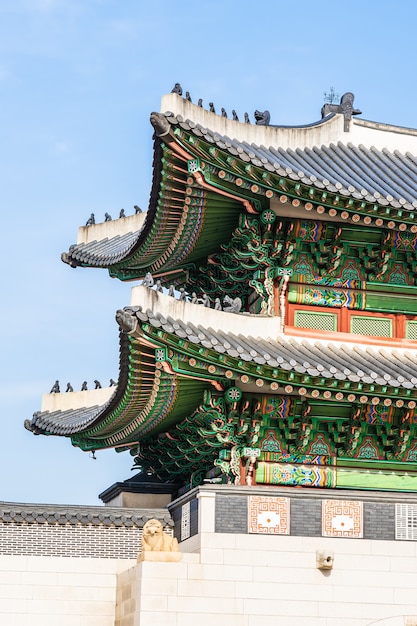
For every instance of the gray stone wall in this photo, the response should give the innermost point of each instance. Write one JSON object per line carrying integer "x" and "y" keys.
{"x": 379, "y": 510}
{"x": 379, "y": 520}
{"x": 305, "y": 517}
{"x": 75, "y": 531}
{"x": 231, "y": 514}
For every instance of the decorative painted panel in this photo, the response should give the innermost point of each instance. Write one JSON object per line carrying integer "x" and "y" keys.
{"x": 342, "y": 518}
{"x": 269, "y": 515}
{"x": 295, "y": 475}
{"x": 368, "y": 450}
{"x": 277, "y": 406}
{"x": 404, "y": 240}
{"x": 377, "y": 414}
{"x": 307, "y": 230}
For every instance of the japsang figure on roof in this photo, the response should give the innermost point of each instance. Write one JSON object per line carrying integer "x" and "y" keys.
{"x": 272, "y": 336}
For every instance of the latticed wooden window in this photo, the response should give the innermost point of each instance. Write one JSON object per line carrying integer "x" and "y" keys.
{"x": 374, "y": 326}
{"x": 406, "y": 521}
{"x": 411, "y": 330}
{"x": 316, "y": 321}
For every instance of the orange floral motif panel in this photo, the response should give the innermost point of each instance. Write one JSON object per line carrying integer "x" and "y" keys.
{"x": 269, "y": 515}
{"x": 342, "y": 518}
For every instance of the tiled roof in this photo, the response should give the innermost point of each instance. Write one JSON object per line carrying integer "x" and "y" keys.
{"x": 63, "y": 422}
{"x": 142, "y": 482}
{"x": 389, "y": 371}
{"x": 71, "y": 421}
{"x": 108, "y": 250}
{"x": 384, "y": 177}
{"x": 389, "y": 178}
{"x": 11, "y": 512}
{"x": 328, "y": 359}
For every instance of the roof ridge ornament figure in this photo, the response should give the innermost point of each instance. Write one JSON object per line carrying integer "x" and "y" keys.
{"x": 126, "y": 321}
{"x": 233, "y": 305}
{"x": 262, "y": 118}
{"x": 160, "y": 124}
{"x": 69, "y": 388}
{"x": 246, "y": 116}
{"x": 187, "y": 96}
{"x": 235, "y": 116}
{"x": 177, "y": 89}
{"x": 211, "y": 107}
{"x": 107, "y": 217}
{"x": 112, "y": 383}
{"x": 345, "y": 108}
{"x": 205, "y": 300}
{"x": 91, "y": 220}
{"x": 122, "y": 213}
{"x": 148, "y": 281}
{"x": 97, "y": 384}
{"x": 137, "y": 209}
{"x": 55, "y": 387}
{"x": 84, "y": 386}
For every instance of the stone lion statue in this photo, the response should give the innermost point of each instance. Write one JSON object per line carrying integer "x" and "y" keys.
{"x": 154, "y": 539}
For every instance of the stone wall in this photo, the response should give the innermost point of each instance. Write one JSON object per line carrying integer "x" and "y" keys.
{"x": 248, "y": 580}
{"x": 300, "y": 512}
{"x": 59, "y": 564}
{"x": 58, "y": 591}
{"x": 251, "y": 556}
{"x": 74, "y": 531}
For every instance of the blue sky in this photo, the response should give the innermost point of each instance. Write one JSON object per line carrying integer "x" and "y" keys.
{"x": 78, "y": 80}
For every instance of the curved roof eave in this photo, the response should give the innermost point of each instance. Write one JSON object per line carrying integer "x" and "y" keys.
{"x": 147, "y": 400}
{"x": 185, "y": 222}
{"x": 185, "y": 206}
{"x": 376, "y": 370}
{"x": 106, "y": 251}
{"x": 157, "y": 389}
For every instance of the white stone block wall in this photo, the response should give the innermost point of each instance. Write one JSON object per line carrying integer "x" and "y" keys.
{"x": 247, "y": 580}
{"x": 57, "y": 591}
{"x": 238, "y": 580}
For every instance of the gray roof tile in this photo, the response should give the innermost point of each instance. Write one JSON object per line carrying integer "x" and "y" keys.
{"x": 343, "y": 360}
{"x": 395, "y": 368}
{"x": 10, "y": 512}
{"x": 375, "y": 175}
